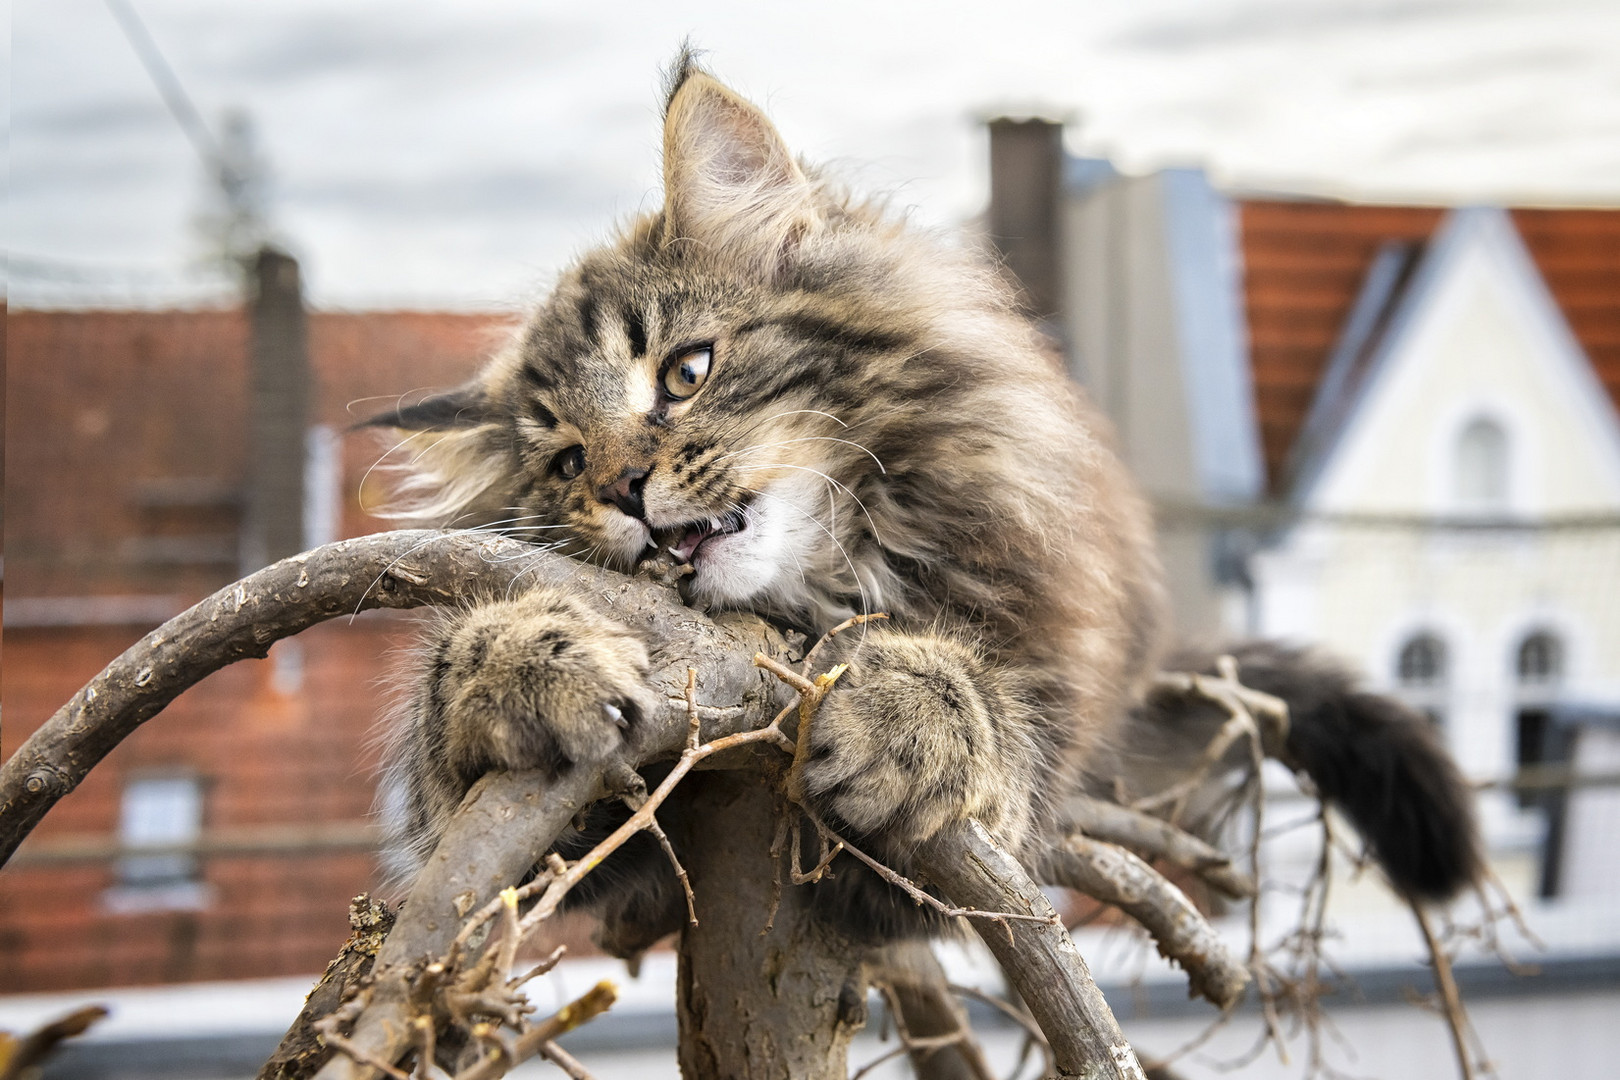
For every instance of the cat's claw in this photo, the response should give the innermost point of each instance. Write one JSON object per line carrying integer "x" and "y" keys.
{"x": 540, "y": 681}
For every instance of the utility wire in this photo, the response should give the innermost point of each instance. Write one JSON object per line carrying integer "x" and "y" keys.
{"x": 168, "y": 84}
{"x": 228, "y": 160}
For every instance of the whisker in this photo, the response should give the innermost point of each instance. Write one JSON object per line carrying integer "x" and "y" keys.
{"x": 399, "y": 399}
{"x": 378, "y": 463}
{"x": 811, "y": 412}
{"x": 856, "y": 499}
{"x": 807, "y": 438}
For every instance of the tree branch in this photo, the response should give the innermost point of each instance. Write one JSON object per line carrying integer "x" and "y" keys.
{"x": 1115, "y": 876}
{"x": 1039, "y": 957}
{"x": 389, "y": 570}
{"x": 920, "y": 996}
{"x": 1155, "y": 838}
{"x": 1450, "y": 1000}
{"x": 301, "y": 1052}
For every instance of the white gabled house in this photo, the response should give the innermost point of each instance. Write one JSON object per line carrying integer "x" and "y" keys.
{"x": 1459, "y": 401}
{"x": 1374, "y": 429}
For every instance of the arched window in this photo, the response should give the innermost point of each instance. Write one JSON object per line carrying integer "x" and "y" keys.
{"x": 1539, "y": 665}
{"x": 1480, "y": 470}
{"x": 1541, "y": 659}
{"x": 1421, "y": 673}
{"x": 1422, "y": 661}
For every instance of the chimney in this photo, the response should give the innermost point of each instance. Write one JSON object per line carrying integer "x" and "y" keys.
{"x": 1026, "y": 169}
{"x": 278, "y": 408}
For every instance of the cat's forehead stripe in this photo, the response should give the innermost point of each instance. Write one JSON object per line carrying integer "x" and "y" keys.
{"x": 543, "y": 415}
{"x": 635, "y": 329}
{"x": 831, "y": 332}
{"x": 587, "y": 314}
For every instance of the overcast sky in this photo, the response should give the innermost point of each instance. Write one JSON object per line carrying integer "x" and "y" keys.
{"x": 455, "y": 152}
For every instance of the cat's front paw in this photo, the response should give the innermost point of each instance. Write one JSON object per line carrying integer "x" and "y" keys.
{"x": 541, "y": 681}
{"x": 920, "y": 735}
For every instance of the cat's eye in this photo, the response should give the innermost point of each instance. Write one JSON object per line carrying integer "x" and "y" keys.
{"x": 570, "y": 463}
{"x": 684, "y": 373}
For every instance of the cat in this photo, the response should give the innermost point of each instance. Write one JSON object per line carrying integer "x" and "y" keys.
{"x": 824, "y": 411}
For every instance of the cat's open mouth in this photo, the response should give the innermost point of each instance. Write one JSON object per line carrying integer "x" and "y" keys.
{"x": 684, "y": 541}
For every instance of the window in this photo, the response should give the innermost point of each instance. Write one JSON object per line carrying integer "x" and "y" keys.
{"x": 1420, "y": 673}
{"x": 1540, "y": 668}
{"x": 158, "y": 812}
{"x": 1480, "y": 479}
{"x": 1541, "y": 660}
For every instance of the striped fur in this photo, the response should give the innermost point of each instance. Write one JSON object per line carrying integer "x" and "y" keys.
{"x": 894, "y": 435}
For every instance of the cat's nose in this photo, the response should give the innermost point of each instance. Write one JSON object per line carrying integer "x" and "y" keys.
{"x": 625, "y": 492}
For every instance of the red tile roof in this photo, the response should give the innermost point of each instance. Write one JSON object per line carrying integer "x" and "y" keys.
{"x": 1578, "y": 253}
{"x": 1304, "y": 263}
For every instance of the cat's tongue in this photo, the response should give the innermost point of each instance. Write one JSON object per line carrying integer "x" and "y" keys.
{"x": 688, "y": 544}
{"x": 699, "y": 531}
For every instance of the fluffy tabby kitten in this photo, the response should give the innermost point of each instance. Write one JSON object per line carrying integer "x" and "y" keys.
{"x": 825, "y": 412}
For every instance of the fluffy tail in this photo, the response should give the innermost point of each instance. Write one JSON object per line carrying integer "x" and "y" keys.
{"x": 1378, "y": 760}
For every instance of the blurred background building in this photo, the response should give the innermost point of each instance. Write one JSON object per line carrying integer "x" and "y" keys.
{"x": 1388, "y": 431}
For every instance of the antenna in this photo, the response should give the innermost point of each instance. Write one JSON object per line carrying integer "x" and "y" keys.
{"x": 231, "y": 160}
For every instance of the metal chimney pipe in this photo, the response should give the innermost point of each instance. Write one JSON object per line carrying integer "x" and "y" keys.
{"x": 1026, "y": 170}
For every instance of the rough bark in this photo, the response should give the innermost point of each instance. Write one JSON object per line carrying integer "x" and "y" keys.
{"x": 777, "y": 1004}
{"x": 301, "y": 1051}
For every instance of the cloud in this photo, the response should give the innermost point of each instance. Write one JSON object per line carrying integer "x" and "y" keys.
{"x": 1250, "y": 23}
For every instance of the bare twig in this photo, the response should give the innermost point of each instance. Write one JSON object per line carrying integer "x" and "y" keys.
{"x": 815, "y": 650}
{"x": 564, "y": 1061}
{"x": 1257, "y": 810}
{"x": 918, "y": 989}
{"x": 586, "y": 1007}
{"x": 1450, "y": 1000}
{"x": 1017, "y": 1016}
{"x": 1242, "y": 705}
{"x": 361, "y": 1055}
{"x": 20, "y": 1057}
{"x": 920, "y": 1047}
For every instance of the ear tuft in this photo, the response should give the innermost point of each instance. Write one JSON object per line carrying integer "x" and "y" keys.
{"x": 730, "y": 182}
{"x": 683, "y": 67}
{"x": 464, "y": 407}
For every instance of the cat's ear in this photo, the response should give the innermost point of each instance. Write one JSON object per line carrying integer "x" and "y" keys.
{"x": 463, "y": 407}
{"x": 730, "y": 182}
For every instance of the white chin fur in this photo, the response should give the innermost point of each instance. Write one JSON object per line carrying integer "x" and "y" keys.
{"x": 768, "y": 559}
{"x": 624, "y": 539}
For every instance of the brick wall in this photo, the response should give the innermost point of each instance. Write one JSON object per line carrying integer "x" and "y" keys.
{"x": 128, "y": 428}
{"x": 265, "y": 757}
